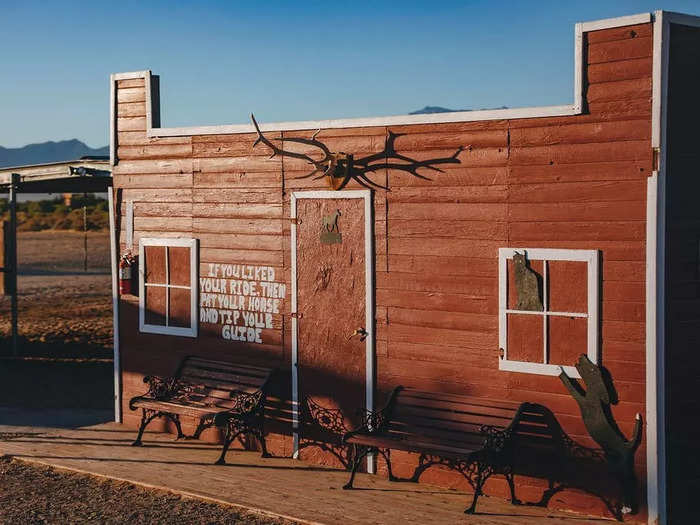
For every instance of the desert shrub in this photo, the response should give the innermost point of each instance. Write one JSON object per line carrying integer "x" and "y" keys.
{"x": 31, "y": 224}
{"x": 98, "y": 220}
{"x": 60, "y": 209}
{"x": 53, "y": 214}
{"x": 48, "y": 205}
{"x": 33, "y": 208}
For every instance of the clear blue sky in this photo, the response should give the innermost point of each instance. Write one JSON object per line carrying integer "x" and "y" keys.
{"x": 219, "y": 61}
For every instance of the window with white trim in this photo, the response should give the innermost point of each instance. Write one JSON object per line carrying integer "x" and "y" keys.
{"x": 548, "y": 309}
{"x": 168, "y": 270}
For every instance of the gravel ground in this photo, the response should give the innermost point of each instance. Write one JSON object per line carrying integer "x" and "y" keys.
{"x": 32, "y": 494}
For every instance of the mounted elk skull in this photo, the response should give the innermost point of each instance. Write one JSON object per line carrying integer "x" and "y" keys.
{"x": 339, "y": 168}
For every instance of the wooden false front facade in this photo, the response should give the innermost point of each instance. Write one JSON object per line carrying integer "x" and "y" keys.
{"x": 421, "y": 268}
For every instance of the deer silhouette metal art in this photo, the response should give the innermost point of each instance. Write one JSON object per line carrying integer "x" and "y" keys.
{"x": 330, "y": 234}
{"x": 594, "y": 403}
{"x": 339, "y": 168}
{"x": 330, "y": 222}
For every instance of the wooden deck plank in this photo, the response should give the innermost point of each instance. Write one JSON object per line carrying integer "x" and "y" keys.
{"x": 281, "y": 486}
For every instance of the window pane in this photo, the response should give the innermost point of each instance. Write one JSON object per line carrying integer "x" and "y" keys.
{"x": 568, "y": 339}
{"x": 180, "y": 308}
{"x": 155, "y": 305}
{"x": 530, "y": 282}
{"x": 179, "y": 265}
{"x": 568, "y": 286}
{"x": 154, "y": 264}
{"x": 525, "y": 338}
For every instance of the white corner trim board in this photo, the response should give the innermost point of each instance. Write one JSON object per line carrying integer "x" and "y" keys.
{"x": 114, "y": 256}
{"x": 435, "y": 118}
{"x": 656, "y": 272}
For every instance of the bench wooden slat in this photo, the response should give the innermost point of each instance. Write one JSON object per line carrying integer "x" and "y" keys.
{"x": 206, "y": 364}
{"x": 220, "y": 385}
{"x": 420, "y": 396}
{"x": 446, "y": 432}
{"x": 465, "y": 405}
{"x": 213, "y": 373}
{"x": 213, "y": 393}
{"x": 382, "y": 441}
{"x": 439, "y": 417}
{"x": 223, "y": 376}
{"x": 175, "y": 408}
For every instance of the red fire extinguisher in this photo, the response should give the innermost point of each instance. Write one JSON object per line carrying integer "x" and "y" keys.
{"x": 125, "y": 263}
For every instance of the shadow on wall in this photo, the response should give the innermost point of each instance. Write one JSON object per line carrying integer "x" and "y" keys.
{"x": 544, "y": 451}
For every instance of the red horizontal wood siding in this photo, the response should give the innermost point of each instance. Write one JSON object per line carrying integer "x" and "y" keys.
{"x": 560, "y": 182}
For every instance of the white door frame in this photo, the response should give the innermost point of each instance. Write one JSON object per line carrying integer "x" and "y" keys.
{"x": 369, "y": 301}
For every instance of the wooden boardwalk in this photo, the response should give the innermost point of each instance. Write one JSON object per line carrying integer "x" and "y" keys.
{"x": 280, "y": 486}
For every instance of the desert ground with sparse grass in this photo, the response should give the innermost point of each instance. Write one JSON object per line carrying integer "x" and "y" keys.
{"x": 64, "y": 311}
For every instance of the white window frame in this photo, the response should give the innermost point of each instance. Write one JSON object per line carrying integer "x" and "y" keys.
{"x": 194, "y": 270}
{"x": 541, "y": 254}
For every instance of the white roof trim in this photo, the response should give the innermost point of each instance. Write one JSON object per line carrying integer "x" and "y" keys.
{"x": 130, "y": 75}
{"x": 620, "y": 21}
{"x": 434, "y": 118}
{"x": 396, "y": 120}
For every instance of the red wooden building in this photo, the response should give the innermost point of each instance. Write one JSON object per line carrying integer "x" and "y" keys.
{"x": 599, "y": 194}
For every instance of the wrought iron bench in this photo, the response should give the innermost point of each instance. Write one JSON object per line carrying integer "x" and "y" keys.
{"x": 470, "y": 435}
{"x": 324, "y": 428}
{"x": 230, "y": 396}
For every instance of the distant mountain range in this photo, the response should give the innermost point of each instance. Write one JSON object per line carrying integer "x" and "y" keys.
{"x": 438, "y": 109}
{"x": 48, "y": 152}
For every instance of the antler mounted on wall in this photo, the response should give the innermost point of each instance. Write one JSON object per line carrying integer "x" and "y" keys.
{"x": 339, "y": 168}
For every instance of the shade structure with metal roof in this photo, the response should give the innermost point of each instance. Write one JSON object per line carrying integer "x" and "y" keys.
{"x": 85, "y": 175}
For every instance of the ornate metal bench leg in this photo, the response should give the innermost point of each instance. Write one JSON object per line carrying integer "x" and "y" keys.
{"x": 359, "y": 454}
{"x": 146, "y": 417}
{"x": 482, "y": 474}
{"x": 260, "y": 434}
{"x": 204, "y": 423}
{"x": 230, "y": 436}
{"x": 348, "y": 458}
{"x": 386, "y": 454}
{"x": 176, "y": 421}
{"x": 552, "y": 489}
{"x": 511, "y": 484}
{"x": 423, "y": 464}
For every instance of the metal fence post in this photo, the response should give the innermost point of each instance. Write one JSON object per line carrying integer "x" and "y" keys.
{"x": 13, "y": 260}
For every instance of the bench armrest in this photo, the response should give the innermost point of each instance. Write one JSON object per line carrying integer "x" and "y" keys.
{"x": 375, "y": 421}
{"x": 328, "y": 419}
{"x": 246, "y": 405}
{"x": 162, "y": 389}
{"x": 496, "y": 438}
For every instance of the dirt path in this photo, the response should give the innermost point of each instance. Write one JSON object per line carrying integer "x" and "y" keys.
{"x": 36, "y": 494}
{"x": 63, "y": 311}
